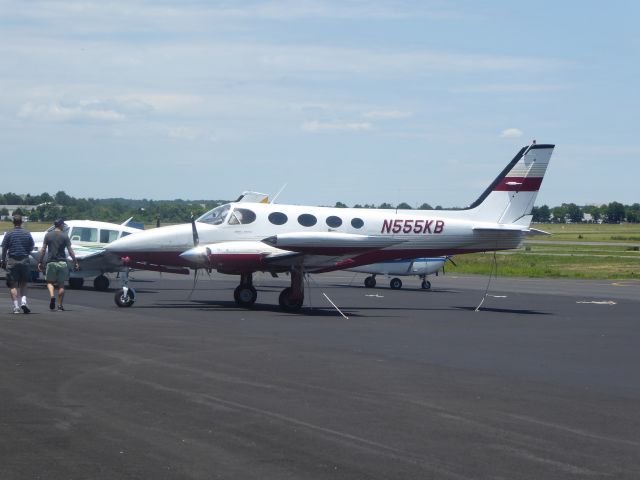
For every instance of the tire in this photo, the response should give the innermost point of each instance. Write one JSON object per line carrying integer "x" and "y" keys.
{"x": 123, "y": 300}
{"x": 245, "y": 296}
{"x": 396, "y": 283}
{"x": 287, "y": 304}
{"x": 370, "y": 282}
{"x": 426, "y": 284}
{"x": 76, "y": 283}
{"x": 101, "y": 283}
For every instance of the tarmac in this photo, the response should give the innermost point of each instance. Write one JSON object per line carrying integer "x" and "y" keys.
{"x": 543, "y": 382}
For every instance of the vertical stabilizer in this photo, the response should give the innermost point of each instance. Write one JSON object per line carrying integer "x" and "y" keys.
{"x": 510, "y": 198}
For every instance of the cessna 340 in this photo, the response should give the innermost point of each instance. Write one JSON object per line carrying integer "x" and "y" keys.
{"x": 243, "y": 238}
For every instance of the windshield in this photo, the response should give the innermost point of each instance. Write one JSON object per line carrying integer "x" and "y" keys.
{"x": 215, "y": 216}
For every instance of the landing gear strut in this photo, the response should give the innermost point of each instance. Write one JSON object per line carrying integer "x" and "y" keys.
{"x": 245, "y": 294}
{"x": 292, "y": 298}
{"x": 126, "y": 296}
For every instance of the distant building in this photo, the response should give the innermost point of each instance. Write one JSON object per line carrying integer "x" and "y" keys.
{"x": 13, "y": 208}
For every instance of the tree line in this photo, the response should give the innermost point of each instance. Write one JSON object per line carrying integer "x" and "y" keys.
{"x": 116, "y": 210}
{"x": 613, "y": 212}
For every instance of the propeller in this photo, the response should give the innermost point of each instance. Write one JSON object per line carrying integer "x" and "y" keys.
{"x": 448, "y": 258}
{"x": 194, "y": 230}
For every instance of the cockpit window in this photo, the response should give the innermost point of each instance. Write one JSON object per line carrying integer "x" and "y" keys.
{"x": 215, "y": 216}
{"x": 241, "y": 216}
{"x": 84, "y": 234}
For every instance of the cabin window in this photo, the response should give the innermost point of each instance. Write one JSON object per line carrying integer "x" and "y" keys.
{"x": 241, "y": 216}
{"x": 333, "y": 221}
{"x": 307, "y": 220}
{"x": 278, "y": 218}
{"x": 215, "y": 216}
{"x": 357, "y": 223}
{"x": 84, "y": 234}
{"x": 108, "y": 236}
{"x": 124, "y": 234}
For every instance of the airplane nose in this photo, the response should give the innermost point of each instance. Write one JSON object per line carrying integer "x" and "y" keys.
{"x": 197, "y": 256}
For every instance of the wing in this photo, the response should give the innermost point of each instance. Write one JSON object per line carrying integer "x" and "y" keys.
{"x": 314, "y": 251}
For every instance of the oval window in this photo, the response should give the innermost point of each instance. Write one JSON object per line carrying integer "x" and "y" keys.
{"x": 333, "y": 221}
{"x": 241, "y": 216}
{"x": 357, "y": 223}
{"x": 307, "y": 220}
{"x": 278, "y": 218}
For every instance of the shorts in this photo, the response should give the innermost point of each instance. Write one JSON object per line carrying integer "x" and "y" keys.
{"x": 18, "y": 272}
{"x": 57, "y": 273}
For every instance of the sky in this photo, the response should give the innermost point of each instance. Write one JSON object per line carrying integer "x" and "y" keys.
{"x": 350, "y": 101}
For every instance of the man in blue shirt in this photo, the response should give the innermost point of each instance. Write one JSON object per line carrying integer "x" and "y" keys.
{"x": 16, "y": 248}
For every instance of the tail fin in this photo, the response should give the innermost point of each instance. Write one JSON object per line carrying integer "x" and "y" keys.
{"x": 510, "y": 198}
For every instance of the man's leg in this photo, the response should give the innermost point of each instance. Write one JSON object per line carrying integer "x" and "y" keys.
{"x": 60, "y": 295}
{"x": 52, "y": 293}
{"x": 23, "y": 289}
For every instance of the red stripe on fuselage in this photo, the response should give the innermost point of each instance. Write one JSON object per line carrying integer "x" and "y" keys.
{"x": 519, "y": 184}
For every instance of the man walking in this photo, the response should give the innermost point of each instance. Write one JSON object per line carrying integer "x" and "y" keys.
{"x": 57, "y": 271}
{"x": 16, "y": 247}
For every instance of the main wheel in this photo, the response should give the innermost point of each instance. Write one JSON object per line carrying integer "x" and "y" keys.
{"x": 123, "y": 299}
{"x": 245, "y": 296}
{"x": 370, "y": 282}
{"x": 76, "y": 282}
{"x": 101, "y": 283}
{"x": 396, "y": 283}
{"x": 426, "y": 284}
{"x": 289, "y": 304}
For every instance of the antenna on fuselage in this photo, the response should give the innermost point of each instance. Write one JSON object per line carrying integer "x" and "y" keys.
{"x": 273, "y": 200}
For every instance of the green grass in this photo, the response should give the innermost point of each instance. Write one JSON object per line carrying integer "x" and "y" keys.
{"x": 585, "y": 232}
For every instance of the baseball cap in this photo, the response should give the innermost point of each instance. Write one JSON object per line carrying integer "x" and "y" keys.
{"x": 59, "y": 222}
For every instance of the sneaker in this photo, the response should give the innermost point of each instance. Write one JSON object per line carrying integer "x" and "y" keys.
{"x": 60, "y": 308}
{"x": 17, "y": 310}
{"x": 25, "y": 308}
{"x": 52, "y": 303}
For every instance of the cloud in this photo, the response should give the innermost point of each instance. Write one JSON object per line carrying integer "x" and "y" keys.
{"x": 386, "y": 115}
{"x": 510, "y": 88}
{"x": 511, "y": 133}
{"x": 55, "y": 112}
{"x": 318, "y": 127}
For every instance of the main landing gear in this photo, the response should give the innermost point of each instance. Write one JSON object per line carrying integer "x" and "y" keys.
{"x": 101, "y": 283}
{"x": 126, "y": 296}
{"x": 370, "y": 282}
{"x": 245, "y": 294}
{"x": 396, "y": 283}
{"x": 290, "y": 299}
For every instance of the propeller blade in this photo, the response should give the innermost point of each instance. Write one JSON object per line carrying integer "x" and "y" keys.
{"x": 451, "y": 260}
{"x": 194, "y": 230}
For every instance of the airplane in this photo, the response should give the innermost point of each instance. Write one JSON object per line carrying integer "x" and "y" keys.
{"x": 243, "y": 238}
{"x": 88, "y": 238}
{"x": 420, "y": 267}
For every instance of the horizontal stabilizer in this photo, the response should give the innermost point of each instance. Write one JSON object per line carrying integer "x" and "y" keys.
{"x": 535, "y": 231}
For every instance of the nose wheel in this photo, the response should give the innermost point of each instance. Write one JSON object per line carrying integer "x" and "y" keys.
{"x": 126, "y": 296}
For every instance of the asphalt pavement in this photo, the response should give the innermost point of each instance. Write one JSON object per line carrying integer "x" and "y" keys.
{"x": 543, "y": 382}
